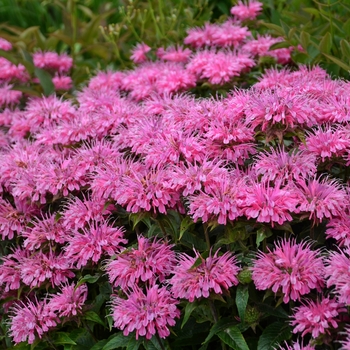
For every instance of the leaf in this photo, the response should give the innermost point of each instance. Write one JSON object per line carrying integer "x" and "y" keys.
{"x": 63, "y": 338}
{"x": 99, "y": 345}
{"x": 94, "y": 317}
{"x": 242, "y": 296}
{"x": 304, "y": 39}
{"x": 273, "y": 334}
{"x": 345, "y": 48}
{"x": 234, "y": 338}
{"x": 261, "y": 234}
{"x": 280, "y": 45}
{"x": 134, "y": 343}
{"x": 279, "y": 30}
{"x": 311, "y": 11}
{"x": 45, "y": 81}
{"x": 219, "y": 326}
{"x": 186, "y": 223}
{"x": 88, "y": 278}
{"x": 117, "y": 341}
{"x": 9, "y": 56}
{"x": 188, "y": 310}
{"x": 338, "y": 62}
{"x": 326, "y": 43}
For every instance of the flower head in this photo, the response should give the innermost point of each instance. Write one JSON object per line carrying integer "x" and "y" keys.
{"x": 317, "y": 317}
{"x": 213, "y": 274}
{"x": 139, "y": 53}
{"x": 150, "y": 261}
{"x": 146, "y": 313}
{"x": 244, "y": 11}
{"x": 291, "y": 268}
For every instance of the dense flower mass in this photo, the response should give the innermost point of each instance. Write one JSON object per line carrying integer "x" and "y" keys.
{"x": 155, "y": 198}
{"x": 291, "y": 268}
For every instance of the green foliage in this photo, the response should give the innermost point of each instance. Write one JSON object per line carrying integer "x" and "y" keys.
{"x": 322, "y": 28}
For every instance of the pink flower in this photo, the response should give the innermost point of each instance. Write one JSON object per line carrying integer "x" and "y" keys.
{"x": 146, "y": 313}
{"x": 339, "y": 229}
{"x": 221, "y": 201}
{"x": 62, "y": 82}
{"x": 150, "y": 261}
{"x": 291, "y": 268}
{"x": 69, "y": 301}
{"x": 198, "y": 37}
{"x": 92, "y": 242}
{"x": 244, "y": 11}
{"x": 229, "y": 34}
{"x": 270, "y": 204}
{"x": 317, "y": 317}
{"x": 5, "y": 45}
{"x": 174, "y": 54}
{"x": 31, "y": 320}
{"x": 296, "y": 346}
{"x": 212, "y": 275}
{"x": 322, "y": 198}
{"x": 139, "y": 53}
{"x": 346, "y": 343}
{"x": 338, "y": 275}
{"x": 61, "y": 63}
{"x": 40, "y": 267}
{"x": 10, "y": 72}
{"x": 280, "y": 165}
{"x": 9, "y": 97}
{"x": 106, "y": 80}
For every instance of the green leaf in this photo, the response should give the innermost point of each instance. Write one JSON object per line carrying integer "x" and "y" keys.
{"x": 188, "y": 310}
{"x": 280, "y": 45}
{"x": 304, "y": 39}
{"x": 63, "y": 338}
{"x": 345, "y": 48}
{"x": 89, "y": 279}
{"x": 312, "y": 11}
{"x": 117, "y": 341}
{"x": 242, "y": 296}
{"x": 326, "y": 43}
{"x": 273, "y": 334}
{"x": 134, "y": 344}
{"x": 45, "y": 81}
{"x": 234, "y": 338}
{"x": 94, "y": 317}
{"x": 9, "y": 56}
{"x": 186, "y": 223}
{"x": 338, "y": 62}
{"x": 219, "y": 326}
{"x": 99, "y": 345}
{"x": 278, "y": 29}
{"x": 261, "y": 234}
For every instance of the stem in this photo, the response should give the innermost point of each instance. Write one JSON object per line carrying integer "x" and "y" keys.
{"x": 206, "y": 235}
{"x": 215, "y": 316}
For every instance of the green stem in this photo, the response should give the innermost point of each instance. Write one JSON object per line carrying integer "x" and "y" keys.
{"x": 206, "y": 235}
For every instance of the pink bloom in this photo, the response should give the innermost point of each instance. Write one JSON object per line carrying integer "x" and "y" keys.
{"x": 338, "y": 275}
{"x": 280, "y": 165}
{"x": 146, "y": 313}
{"x": 10, "y": 272}
{"x": 61, "y": 63}
{"x": 199, "y": 37}
{"x": 91, "y": 242}
{"x": 322, "y": 198}
{"x": 270, "y": 204}
{"x": 339, "y": 229}
{"x": 106, "y": 80}
{"x": 219, "y": 67}
{"x": 229, "y": 34}
{"x": 221, "y": 201}
{"x": 213, "y": 274}
{"x": 9, "y": 97}
{"x": 150, "y": 261}
{"x": 31, "y": 320}
{"x": 296, "y": 346}
{"x": 62, "y": 82}
{"x": 10, "y": 72}
{"x": 291, "y": 268}
{"x": 5, "y": 45}
{"x": 174, "y": 54}
{"x": 317, "y": 317}
{"x": 69, "y": 301}
{"x": 139, "y": 53}
{"x": 40, "y": 267}
{"x": 346, "y": 343}
{"x": 44, "y": 230}
{"x": 244, "y": 11}
{"x": 77, "y": 213}
{"x": 327, "y": 142}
